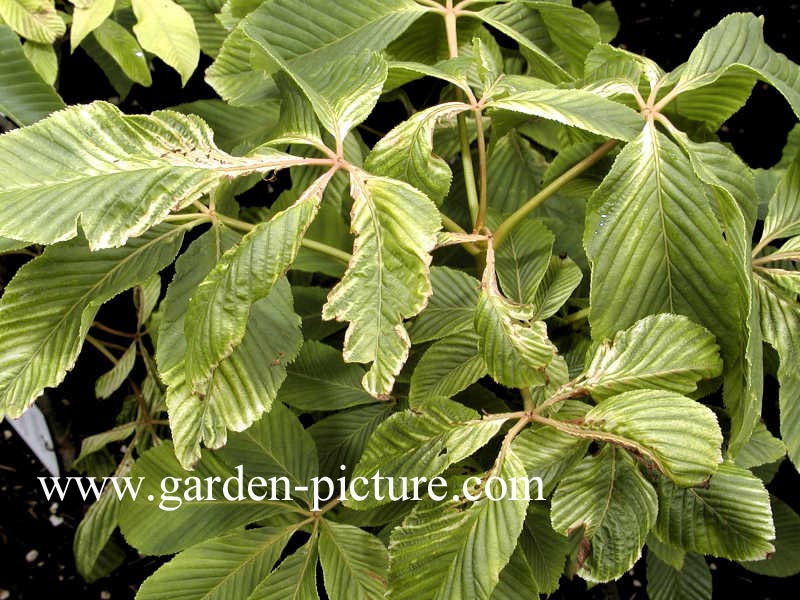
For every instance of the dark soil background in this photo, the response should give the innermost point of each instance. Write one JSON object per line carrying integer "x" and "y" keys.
{"x": 36, "y": 552}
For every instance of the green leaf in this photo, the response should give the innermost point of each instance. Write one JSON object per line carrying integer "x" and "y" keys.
{"x": 50, "y": 304}
{"x": 406, "y": 152}
{"x": 244, "y": 384}
{"x": 294, "y": 579}
{"x": 98, "y": 441}
{"x": 320, "y": 37}
{"x": 219, "y": 310}
{"x": 387, "y": 279}
{"x": 422, "y": 441}
{"x": 548, "y": 453}
{"x": 450, "y": 309}
{"x": 780, "y": 323}
{"x": 36, "y": 20}
{"x": 559, "y": 281}
{"x": 522, "y": 260}
{"x": 732, "y": 186}
{"x": 210, "y": 33}
{"x": 237, "y": 129}
{"x": 178, "y": 519}
{"x": 616, "y": 506}
{"x": 276, "y": 446}
{"x": 538, "y": 560}
{"x": 146, "y": 298}
{"x": 125, "y": 50}
{"x": 118, "y": 174}
{"x": 783, "y": 215}
{"x": 226, "y": 567}
{"x": 785, "y": 561}
{"x": 526, "y": 27}
{"x": 342, "y": 437}
{"x": 308, "y": 303}
{"x": 457, "y": 549}
{"x": 167, "y": 30}
{"x": 94, "y": 532}
{"x": 110, "y": 381}
{"x": 762, "y": 448}
{"x": 647, "y": 422}
{"x": 516, "y": 575}
{"x": 665, "y": 582}
{"x": 449, "y": 366}
{"x": 86, "y": 17}
{"x": 730, "y": 517}
{"x": 354, "y": 562}
{"x": 44, "y": 60}
{"x": 645, "y": 226}
{"x": 737, "y": 44}
{"x": 343, "y": 97}
{"x": 664, "y": 351}
{"x": 514, "y": 172}
{"x": 24, "y": 96}
{"x": 516, "y": 350}
{"x": 576, "y": 108}
{"x": 319, "y": 380}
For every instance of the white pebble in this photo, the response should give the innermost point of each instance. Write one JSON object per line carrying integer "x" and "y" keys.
{"x": 55, "y": 520}
{"x": 32, "y": 556}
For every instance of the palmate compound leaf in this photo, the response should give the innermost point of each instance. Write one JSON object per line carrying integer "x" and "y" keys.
{"x": 243, "y": 385}
{"x": 50, "y": 304}
{"x": 664, "y": 351}
{"x": 456, "y": 549}
{"x": 308, "y": 35}
{"x": 354, "y": 562}
{"x": 421, "y": 442}
{"x": 608, "y": 496}
{"x": 730, "y": 517}
{"x": 24, "y": 96}
{"x": 388, "y": 277}
{"x": 117, "y": 174}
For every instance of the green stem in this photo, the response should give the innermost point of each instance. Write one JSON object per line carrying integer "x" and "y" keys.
{"x": 100, "y": 346}
{"x": 550, "y": 189}
{"x": 527, "y": 400}
{"x": 469, "y": 170}
{"x": 340, "y": 255}
{"x": 576, "y": 316}
{"x": 482, "y": 173}
{"x": 466, "y": 155}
